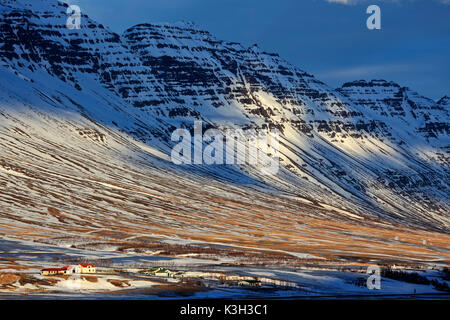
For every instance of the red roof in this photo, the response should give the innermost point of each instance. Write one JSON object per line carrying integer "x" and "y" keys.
{"x": 54, "y": 269}
{"x": 87, "y": 265}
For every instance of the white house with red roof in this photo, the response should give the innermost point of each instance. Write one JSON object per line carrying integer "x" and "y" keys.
{"x": 69, "y": 270}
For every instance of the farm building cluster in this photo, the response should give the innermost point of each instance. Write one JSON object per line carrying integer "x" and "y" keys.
{"x": 229, "y": 279}
{"x": 69, "y": 270}
{"x": 163, "y": 272}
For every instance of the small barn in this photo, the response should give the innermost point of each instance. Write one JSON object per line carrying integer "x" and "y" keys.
{"x": 160, "y": 272}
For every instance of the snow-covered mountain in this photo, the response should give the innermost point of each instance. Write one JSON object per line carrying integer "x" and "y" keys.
{"x": 86, "y": 118}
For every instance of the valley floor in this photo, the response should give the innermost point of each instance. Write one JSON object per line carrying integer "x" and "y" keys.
{"x": 208, "y": 275}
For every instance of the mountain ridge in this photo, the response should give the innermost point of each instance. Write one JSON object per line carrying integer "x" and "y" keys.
{"x": 374, "y": 147}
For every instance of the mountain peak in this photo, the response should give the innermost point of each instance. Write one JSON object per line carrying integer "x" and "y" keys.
{"x": 32, "y": 4}
{"x": 445, "y": 100}
{"x": 371, "y": 83}
{"x": 184, "y": 26}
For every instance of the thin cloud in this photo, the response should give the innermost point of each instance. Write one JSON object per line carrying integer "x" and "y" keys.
{"x": 352, "y": 2}
{"x": 363, "y": 71}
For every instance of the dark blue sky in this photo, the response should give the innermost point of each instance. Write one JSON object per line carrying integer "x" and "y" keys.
{"x": 329, "y": 40}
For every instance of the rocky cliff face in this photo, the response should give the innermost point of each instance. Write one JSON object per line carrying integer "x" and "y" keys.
{"x": 207, "y": 75}
{"x": 389, "y": 102}
{"x": 373, "y": 147}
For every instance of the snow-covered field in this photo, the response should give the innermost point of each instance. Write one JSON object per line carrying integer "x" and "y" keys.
{"x": 123, "y": 276}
